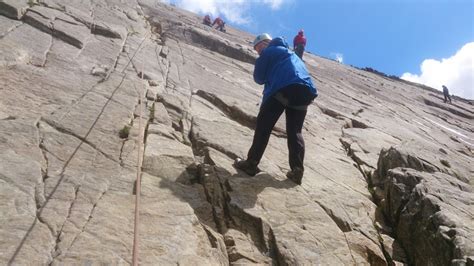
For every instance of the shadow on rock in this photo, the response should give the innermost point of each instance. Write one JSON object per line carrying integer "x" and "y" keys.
{"x": 222, "y": 189}
{"x": 227, "y": 202}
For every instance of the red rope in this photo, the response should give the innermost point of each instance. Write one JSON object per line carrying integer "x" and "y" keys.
{"x": 139, "y": 172}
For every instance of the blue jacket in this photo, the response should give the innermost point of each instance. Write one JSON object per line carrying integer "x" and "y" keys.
{"x": 277, "y": 67}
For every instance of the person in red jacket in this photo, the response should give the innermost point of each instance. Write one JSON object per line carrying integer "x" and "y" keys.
{"x": 220, "y": 24}
{"x": 207, "y": 20}
{"x": 299, "y": 42}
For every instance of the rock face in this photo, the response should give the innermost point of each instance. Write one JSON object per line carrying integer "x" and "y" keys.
{"x": 430, "y": 211}
{"x": 88, "y": 88}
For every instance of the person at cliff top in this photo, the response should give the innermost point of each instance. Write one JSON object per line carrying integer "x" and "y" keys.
{"x": 220, "y": 24}
{"x": 446, "y": 94}
{"x": 207, "y": 20}
{"x": 287, "y": 87}
{"x": 299, "y": 43}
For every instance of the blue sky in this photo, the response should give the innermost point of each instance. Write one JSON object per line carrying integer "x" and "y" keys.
{"x": 426, "y": 41}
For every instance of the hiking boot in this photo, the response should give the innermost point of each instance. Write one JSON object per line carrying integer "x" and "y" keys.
{"x": 249, "y": 167}
{"x": 295, "y": 175}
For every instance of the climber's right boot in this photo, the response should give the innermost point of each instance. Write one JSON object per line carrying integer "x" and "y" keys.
{"x": 249, "y": 167}
{"x": 295, "y": 175}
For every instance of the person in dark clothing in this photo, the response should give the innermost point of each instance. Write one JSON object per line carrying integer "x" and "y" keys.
{"x": 288, "y": 88}
{"x": 299, "y": 43}
{"x": 446, "y": 94}
{"x": 207, "y": 20}
{"x": 220, "y": 24}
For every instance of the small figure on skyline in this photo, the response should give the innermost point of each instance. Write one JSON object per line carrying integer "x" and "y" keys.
{"x": 220, "y": 24}
{"x": 446, "y": 94}
{"x": 207, "y": 20}
{"x": 299, "y": 43}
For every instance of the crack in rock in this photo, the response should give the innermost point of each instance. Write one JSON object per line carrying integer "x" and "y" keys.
{"x": 447, "y": 108}
{"x": 367, "y": 177}
{"x": 55, "y": 252}
{"x": 416, "y": 195}
{"x": 227, "y": 216}
{"x": 11, "y": 29}
{"x": 47, "y": 25}
{"x": 235, "y": 113}
{"x": 91, "y": 215}
{"x": 54, "y": 125}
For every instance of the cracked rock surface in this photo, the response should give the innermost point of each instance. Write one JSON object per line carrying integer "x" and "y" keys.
{"x": 88, "y": 89}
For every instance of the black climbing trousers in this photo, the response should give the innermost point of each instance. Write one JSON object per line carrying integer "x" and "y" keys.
{"x": 298, "y": 98}
{"x": 446, "y": 97}
{"x": 299, "y": 50}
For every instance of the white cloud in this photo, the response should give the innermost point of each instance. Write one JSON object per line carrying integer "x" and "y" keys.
{"x": 274, "y": 4}
{"x": 235, "y": 11}
{"x": 338, "y": 57}
{"x": 456, "y": 72}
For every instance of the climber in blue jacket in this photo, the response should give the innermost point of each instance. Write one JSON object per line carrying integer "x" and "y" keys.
{"x": 287, "y": 87}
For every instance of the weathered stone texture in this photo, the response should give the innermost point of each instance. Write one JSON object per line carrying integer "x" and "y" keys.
{"x": 431, "y": 212}
{"x": 14, "y": 8}
{"x": 89, "y": 89}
